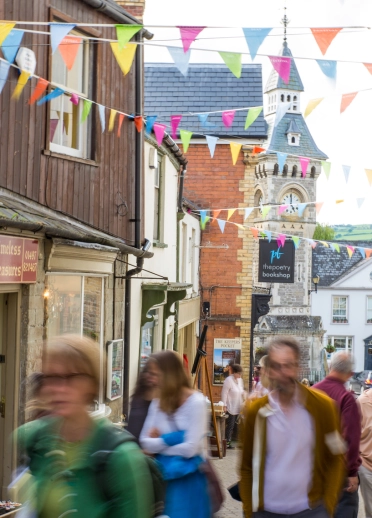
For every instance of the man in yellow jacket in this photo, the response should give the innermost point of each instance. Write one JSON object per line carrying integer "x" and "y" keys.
{"x": 293, "y": 453}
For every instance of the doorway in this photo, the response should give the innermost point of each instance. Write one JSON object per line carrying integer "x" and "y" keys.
{"x": 368, "y": 354}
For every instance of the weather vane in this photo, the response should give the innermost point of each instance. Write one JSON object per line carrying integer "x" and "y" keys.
{"x": 285, "y": 21}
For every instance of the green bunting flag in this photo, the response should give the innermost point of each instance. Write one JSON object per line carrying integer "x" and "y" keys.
{"x": 185, "y": 139}
{"x": 86, "y": 109}
{"x": 252, "y": 115}
{"x": 265, "y": 210}
{"x": 296, "y": 241}
{"x": 125, "y": 32}
{"x": 233, "y": 61}
{"x": 326, "y": 168}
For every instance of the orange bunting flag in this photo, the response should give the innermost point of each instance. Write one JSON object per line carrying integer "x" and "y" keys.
{"x": 346, "y": 100}
{"x": 257, "y": 149}
{"x": 22, "y": 81}
{"x": 40, "y": 88}
{"x": 138, "y": 122}
{"x": 68, "y": 48}
{"x": 124, "y": 56}
{"x": 254, "y": 232}
{"x": 324, "y": 37}
{"x": 368, "y": 251}
{"x": 318, "y": 206}
{"x": 215, "y": 214}
{"x": 230, "y": 212}
{"x": 112, "y": 119}
{"x": 369, "y": 175}
{"x": 368, "y": 67}
{"x": 121, "y": 118}
{"x": 235, "y": 150}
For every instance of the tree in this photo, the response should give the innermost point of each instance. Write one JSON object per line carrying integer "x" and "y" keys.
{"x": 324, "y": 232}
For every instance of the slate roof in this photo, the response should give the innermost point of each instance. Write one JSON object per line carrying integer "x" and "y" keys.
{"x": 292, "y": 128}
{"x": 331, "y": 266}
{"x": 288, "y": 323}
{"x": 207, "y": 87}
{"x": 275, "y": 81}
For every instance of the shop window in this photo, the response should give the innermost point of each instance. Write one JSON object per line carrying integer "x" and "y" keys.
{"x": 339, "y": 310}
{"x": 369, "y": 310}
{"x": 149, "y": 337}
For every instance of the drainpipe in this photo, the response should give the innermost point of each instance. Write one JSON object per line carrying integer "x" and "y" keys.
{"x": 180, "y": 216}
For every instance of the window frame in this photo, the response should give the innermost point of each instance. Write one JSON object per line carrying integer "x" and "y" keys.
{"x": 369, "y": 309}
{"x": 349, "y": 345}
{"x": 346, "y": 318}
{"x": 159, "y": 220}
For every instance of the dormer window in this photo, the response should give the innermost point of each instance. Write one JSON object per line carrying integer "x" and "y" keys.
{"x": 293, "y": 134}
{"x": 293, "y": 140}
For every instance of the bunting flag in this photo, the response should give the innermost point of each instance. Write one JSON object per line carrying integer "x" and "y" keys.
{"x": 180, "y": 58}
{"x": 254, "y": 39}
{"x": 124, "y": 33}
{"x": 87, "y": 106}
{"x": 369, "y": 175}
{"x": 230, "y": 212}
{"x": 360, "y": 202}
{"x": 5, "y": 29}
{"x": 69, "y": 48}
{"x": 40, "y": 88}
{"x": 346, "y": 100}
{"x": 318, "y": 206}
{"x": 228, "y": 118}
{"x": 268, "y": 235}
{"x": 150, "y": 121}
{"x": 159, "y": 130}
{"x": 221, "y": 224}
{"x": 252, "y": 115}
{"x": 281, "y": 240}
{"x": 368, "y": 251}
{"x": 102, "y": 118}
{"x": 185, "y": 137}
{"x": 265, "y": 210}
{"x": 211, "y": 141}
{"x": 304, "y": 162}
{"x": 57, "y": 33}
{"x": 311, "y": 105}
{"x": 138, "y": 122}
{"x": 247, "y": 212}
{"x": 282, "y": 208}
{"x": 57, "y": 92}
{"x": 120, "y": 122}
{"x": 257, "y": 149}
{"x": 350, "y": 250}
{"x": 368, "y": 67}
{"x": 235, "y": 150}
{"x": 335, "y": 247}
{"x": 74, "y": 99}
{"x": 339, "y": 201}
{"x": 254, "y": 232}
{"x": 280, "y": 112}
{"x": 312, "y": 243}
{"x": 346, "y": 170}
{"x": 362, "y": 252}
{"x": 282, "y": 157}
{"x": 11, "y": 45}
{"x": 324, "y": 37}
{"x": 189, "y": 35}
{"x": 233, "y": 61}
{"x": 112, "y": 119}
{"x": 296, "y": 241}
{"x": 326, "y": 168}
{"x": 175, "y": 120}
{"x": 124, "y": 56}
{"x": 283, "y": 66}
{"x": 4, "y": 71}
{"x": 215, "y": 214}
{"x": 301, "y": 208}
{"x": 53, "y": 123}
{"x": 203, "y": 119}
{"x": 324, "y": 243}
{"x": 22, "y": 81}
{"x": 328, "y": 67}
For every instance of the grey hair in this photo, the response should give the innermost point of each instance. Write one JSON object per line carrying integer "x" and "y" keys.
{"x": 342, "y": 362}
{"x": 264, "y": 361}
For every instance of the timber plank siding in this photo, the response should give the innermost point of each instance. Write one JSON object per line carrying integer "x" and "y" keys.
{"x": 89, "y": 190}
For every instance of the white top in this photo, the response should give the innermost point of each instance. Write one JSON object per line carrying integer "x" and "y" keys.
{"x": 289, "y": 458}
{"x": 232, "y": 394}
{"x": 190, "y": 417}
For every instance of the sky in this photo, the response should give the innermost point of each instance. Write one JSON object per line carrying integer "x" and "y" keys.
{"x": 346, "y": 138}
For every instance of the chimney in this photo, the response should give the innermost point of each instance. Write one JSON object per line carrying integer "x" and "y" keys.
{"x": 134, "y": 7}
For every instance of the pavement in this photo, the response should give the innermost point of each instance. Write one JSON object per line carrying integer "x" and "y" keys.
{"x": 227, "y": 469}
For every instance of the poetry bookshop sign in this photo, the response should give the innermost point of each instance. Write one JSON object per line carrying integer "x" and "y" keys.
{"x": 18, "y": 259}
{"x": 276, "y": 263}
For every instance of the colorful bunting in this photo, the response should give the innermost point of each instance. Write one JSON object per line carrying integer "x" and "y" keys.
{"x": 360, "y": 202}
{"x": 282, "y": 157}
{"x": 120, "y": 122}
{"x": 324, "y": 37}
{"x": 4, "y": 71}
{"x": 5, "y": 29}
{"x": 159, "y": 130}
{"x": 211, "y": 141}
{"x": 203, "y": 219}
{"x": 181, "y": 59}
{"x": 368, "y": 251}
{"x": 369, "y": 175}
{"x": 301, "y": 208}
{"x": 69, "y": 48}
{"x": 11, "y": 45}
{"x": 57, "y": 33}
{"x": 138, "y": 122}
{"x": 150, "y": 121}
{"x": 335, "y": 247}
{"x": 102, "y": 118}
{"x": 112, "y": 119}
{"x": 304, "y": 162}
{"x": 203, "y": 119}
{"x": 124, "y": 33}
{"x": 74, "y": 99}
{"x": 368, "y": 67}
{"x": 233, "y": 61}
{"x": 254, "y": 232}
{"x": 296, "y": 241}
{"x": 318, "y": 206}
{"x": 324, "y": 243}
{"x": 57, "y": 92}
{"x": 312, "y": 243}
{"x": 221, "y": 224}
{"x": 40, "y": 88}
{"x": 254, "y": 39}
{"x": 346, "y": 100}
{"x": 185, "y": 137}
{"x": 230, "y": 212}
{"x": 350, "y": 250}
{"x": 328, "y": 67}
{"x": 22, "y": 81}
{"x": 281, "y": 240}
{"x": 252, "y": 115}
{"x": 282, "y": 208}
{"x": 124, "y": 56}
{"x": 280, "y": 112}
{"x": 257, "y": 149}
{"x": 362, "y": 252}
{"x": 268, "y": 235}
{"x": 189, "y": 35}
{"x": 247, "y": 212}
{"x": 235, "y": 150}
{"x": 265, "y": 210}
{"x": 228, "y": 118}
{"x": 326, "y": 168}
{"x": 346, "y": 170}
{"x": 215, "y": 214}
{"x": 175, "y": 120}
{"x": 53, "y": 123}
{"x": 282, "y": 65}
{"x": 311, "y": 105}
{"x": 87, "y": 106}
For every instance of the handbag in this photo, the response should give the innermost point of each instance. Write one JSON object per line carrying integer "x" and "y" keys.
{"x": 215, "y": 493}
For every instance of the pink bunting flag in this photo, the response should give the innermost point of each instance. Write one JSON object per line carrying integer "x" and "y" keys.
{"x": 74, "y": 99}
{"x": 318, "y": 206}
{"x": 228, "y": 118}
{"x": 175, "y": 120}
{"x": 304, "y": 163}
{"x": 282, "y": 208}
{"x": 281, "y": 239}
{"x": 350, "y": 250}
{"x": 312, "y": 243}
{"x": 159, "y": 130}
{"x": 189, "y": 35}
{"x": 283, "y": 66}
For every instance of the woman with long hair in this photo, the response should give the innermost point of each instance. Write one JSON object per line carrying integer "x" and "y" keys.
{"x": 175, "y": 431}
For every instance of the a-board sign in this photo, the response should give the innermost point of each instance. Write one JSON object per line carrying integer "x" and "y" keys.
{"x": 276, "y": 263}
{"x": 18, "y": 259}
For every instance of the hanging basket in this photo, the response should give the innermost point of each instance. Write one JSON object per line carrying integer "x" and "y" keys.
{"x": 330, "y": 349}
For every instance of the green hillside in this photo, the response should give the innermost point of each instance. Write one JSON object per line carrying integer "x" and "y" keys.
{"x": 353, "y": 232}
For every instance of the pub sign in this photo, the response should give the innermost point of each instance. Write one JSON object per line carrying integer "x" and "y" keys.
{"x": 18, "y": 259}
{"x": 276, "y": 263}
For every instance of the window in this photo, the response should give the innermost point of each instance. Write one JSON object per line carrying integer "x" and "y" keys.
{"x": 293, "y": 140}
{"x": 158, "y": 186}
{"x": 288, "y": 98}
{"x": 66, "y": 134}
{"x": 339, "y": 310}
{"x": 282, "y": 98}
{"x": 341, "y": 343}
{"x": 149, "y": 336}
{"x": 369, "y": 310}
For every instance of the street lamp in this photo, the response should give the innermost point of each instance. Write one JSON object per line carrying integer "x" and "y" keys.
{"x": 315, "y": 280}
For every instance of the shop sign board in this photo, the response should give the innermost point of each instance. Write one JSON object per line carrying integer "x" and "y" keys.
{"x": 226, "y": 351}
{"x": 115, "y": 362}
{"x": 276, "y": 263}
{"x": 18, "y": 259}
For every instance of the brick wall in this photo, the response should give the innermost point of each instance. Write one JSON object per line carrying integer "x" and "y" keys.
{"x": 134, "y": 7}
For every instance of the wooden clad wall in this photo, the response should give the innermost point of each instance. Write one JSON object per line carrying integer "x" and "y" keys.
{"x": 88, "y": 190}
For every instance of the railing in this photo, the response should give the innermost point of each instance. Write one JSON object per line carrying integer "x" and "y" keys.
{"x": 312, "y": 375}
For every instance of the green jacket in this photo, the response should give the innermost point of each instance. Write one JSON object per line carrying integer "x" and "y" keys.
{"x": 127, "y": 476}
{"x": 329, "y": 465}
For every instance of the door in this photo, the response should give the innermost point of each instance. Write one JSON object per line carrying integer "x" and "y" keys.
{"x": 368, "y": 355}
{"x": 8, "y": 389}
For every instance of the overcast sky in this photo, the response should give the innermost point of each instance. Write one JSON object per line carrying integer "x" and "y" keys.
{"x": 346, "y": 138}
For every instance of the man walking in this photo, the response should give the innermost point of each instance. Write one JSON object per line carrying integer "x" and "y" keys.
{"x": 293, "y": 453}
{"x": 334, "y": 386}
{"x": 365, "y": 470}
{"x": 232, "y": 398}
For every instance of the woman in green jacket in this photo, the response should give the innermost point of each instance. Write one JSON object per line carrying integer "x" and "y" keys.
{"x": 69, "y": 453}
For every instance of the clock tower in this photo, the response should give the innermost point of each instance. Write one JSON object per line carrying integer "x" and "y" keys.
{"x": 290, "y": 303}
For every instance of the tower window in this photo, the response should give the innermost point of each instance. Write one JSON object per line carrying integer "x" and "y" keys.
{"x": 288, "y": 98}
{"x": 312, "y": 173}
{"x": 294, "y": 170}
{"x": 294, "y": 108}
{"x": 282, "y": 98}
{"x": 285, "y": 170}
{"x": 293, "y": 140}
{"x": 295, "y": 98}
{"x": 276, "y": 169}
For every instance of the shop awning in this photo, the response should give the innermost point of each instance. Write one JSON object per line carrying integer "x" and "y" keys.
{"x": 161, "y": 294}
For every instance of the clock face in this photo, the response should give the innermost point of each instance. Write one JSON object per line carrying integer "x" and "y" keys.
{"x": 291, "y": 199}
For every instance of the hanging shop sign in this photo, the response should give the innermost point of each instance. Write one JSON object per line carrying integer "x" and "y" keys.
{"x": 115, "y": 362}
{"x": 18, "y": 259}
{"x": 276, "y": 263}
{"x": 226, "y": 351}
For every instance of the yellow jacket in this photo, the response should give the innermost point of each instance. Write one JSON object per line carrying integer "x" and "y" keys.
{"x": 329, "y": 466}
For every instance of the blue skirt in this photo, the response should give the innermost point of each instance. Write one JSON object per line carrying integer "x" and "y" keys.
{"x": 187, "y": 497}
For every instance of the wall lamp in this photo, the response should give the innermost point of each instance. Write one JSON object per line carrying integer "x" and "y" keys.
{"x": 315, "y": 280}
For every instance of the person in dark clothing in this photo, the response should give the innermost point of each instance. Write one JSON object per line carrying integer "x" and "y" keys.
{"x": 333, "y": 386}
{"x": 144, "y": 393}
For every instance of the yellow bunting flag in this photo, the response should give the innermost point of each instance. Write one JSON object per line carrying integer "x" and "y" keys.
{"x": 185, "y": 136}
{"x": 311, "y": 105}
{"x": 265, "y": 210}
{"x": 350, "y": 250}
{"x": 112, "y": 119}
{"x": 369, "y": 175}
{"x": 242, "y": 227}
{"x": 124, "y": 56}
{"x": 324, "y": 243}
{"x": 5, "y": 29}
{"x": 339, "y": 201}
{"x": 235, "y": 150}
{"x": 230, "y": 212}
{"x": 22, "y": 81}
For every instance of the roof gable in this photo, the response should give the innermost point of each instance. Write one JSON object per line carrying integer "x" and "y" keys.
{"x": 356, "y": 277}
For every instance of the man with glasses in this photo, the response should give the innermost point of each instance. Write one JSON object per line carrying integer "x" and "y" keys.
{"x": 293, "y": 453}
